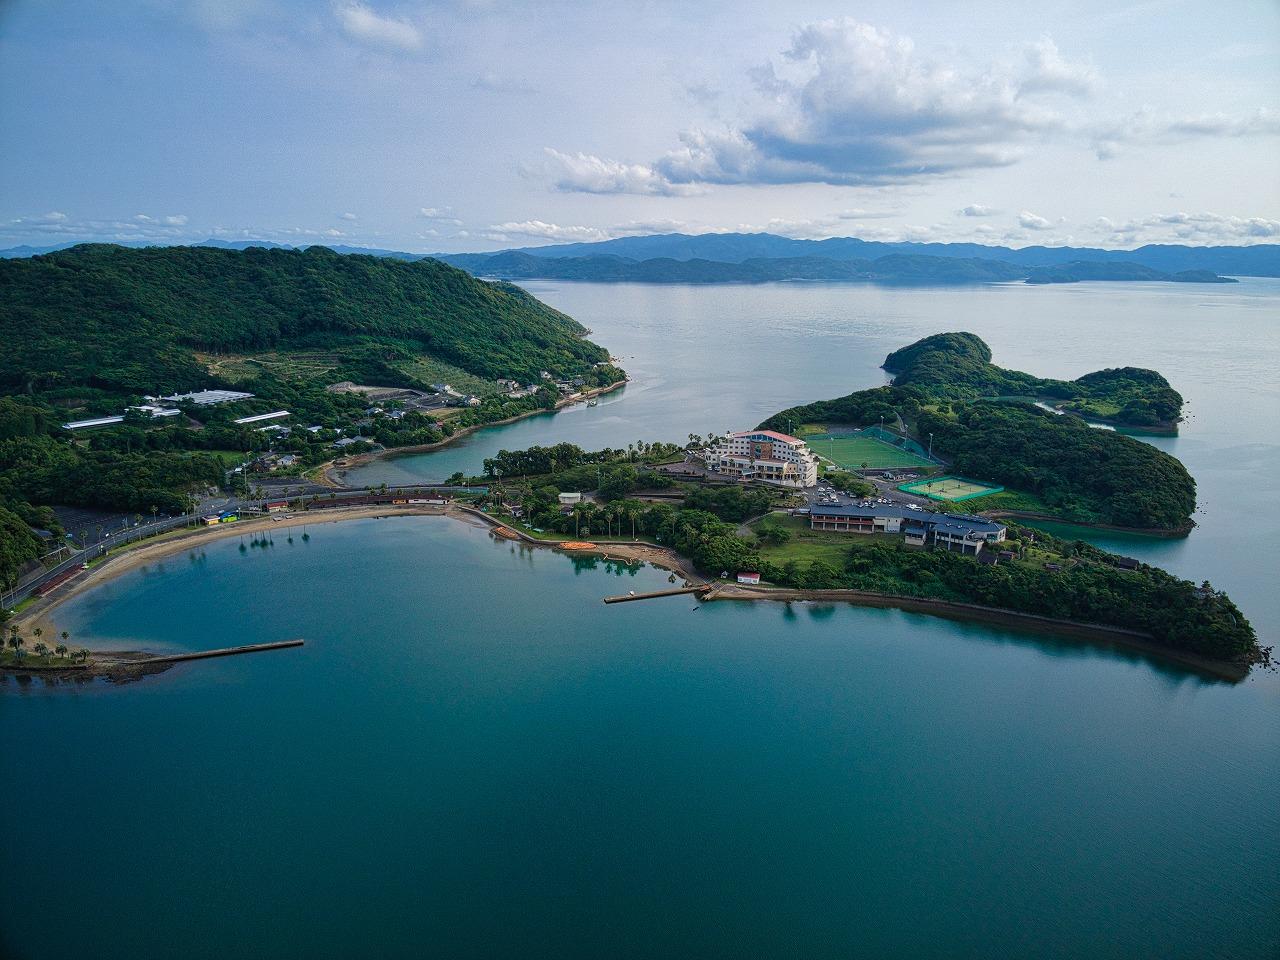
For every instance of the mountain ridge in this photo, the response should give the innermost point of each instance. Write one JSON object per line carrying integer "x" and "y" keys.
{"x": 1258, "y": 260}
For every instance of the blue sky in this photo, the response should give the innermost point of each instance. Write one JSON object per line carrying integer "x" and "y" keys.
{"x": 466, "y": 124}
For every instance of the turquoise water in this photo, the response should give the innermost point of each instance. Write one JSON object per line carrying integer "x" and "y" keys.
{"x": 472, "y": 756}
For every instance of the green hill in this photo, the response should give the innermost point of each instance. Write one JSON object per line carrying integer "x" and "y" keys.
{"x": 946, "y": 385}
{"x": 958, "y": 365}
{"x": 131, "y": 321}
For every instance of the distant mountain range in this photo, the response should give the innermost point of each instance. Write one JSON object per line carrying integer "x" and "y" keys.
{"x": 893, "y": 268}
{"x": 1262, "y": 260}
{"x": 763, "y": 257}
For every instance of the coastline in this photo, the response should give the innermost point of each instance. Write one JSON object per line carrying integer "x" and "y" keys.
{"x": 40, "y": 613}
{"x": 325, "y": 472}
{"x": 1161, "y": 532}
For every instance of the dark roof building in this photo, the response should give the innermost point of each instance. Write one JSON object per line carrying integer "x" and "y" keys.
{"x": 958, "y": 532}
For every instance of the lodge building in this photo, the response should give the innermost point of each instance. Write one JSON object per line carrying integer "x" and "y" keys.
{"x": 764, "y": 455}
{"x": 958, "y": 533}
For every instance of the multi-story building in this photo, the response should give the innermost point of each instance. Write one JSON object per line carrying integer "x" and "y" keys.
{"x": 944, "y": 531}
{"x": 764, "y": 455}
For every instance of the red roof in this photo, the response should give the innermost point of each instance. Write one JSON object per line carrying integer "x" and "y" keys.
{"x": 785, "y": 438}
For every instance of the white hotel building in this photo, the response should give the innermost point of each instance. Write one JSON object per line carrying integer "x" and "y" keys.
{"x": 764, "y": 455}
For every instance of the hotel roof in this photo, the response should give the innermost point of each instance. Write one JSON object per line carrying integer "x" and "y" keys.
{"x": 771, "y": 434}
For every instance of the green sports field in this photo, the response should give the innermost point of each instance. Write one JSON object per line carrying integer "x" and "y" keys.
{"x": 949, "y": 488}
{"x": 852, "y": 452}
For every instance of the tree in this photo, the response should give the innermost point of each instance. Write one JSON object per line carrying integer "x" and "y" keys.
{"x": 60, "y": 649}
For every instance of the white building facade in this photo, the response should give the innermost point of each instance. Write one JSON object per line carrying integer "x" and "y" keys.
{"x": 764, "y": 455}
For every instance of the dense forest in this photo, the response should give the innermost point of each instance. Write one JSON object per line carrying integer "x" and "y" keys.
{"x": 130, "y": 320}
{"x": 1091, "y": 589}
{"x": 955, "y": 366}
{"x": 1081, "y": 473}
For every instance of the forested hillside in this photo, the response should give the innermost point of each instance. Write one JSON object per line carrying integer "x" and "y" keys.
{"x": 946, "y": 385}
{"x": 131, "y": 320}
{"x": 958, "y": 366}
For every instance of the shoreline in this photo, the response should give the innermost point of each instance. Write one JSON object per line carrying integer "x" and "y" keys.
{"x": 324, "y": 473}
{"x": 40, "y": 613}
{"x": 1159, "y": 532}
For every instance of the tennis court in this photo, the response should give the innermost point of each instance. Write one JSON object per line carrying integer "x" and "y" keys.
{"x": 949, "y": 488}
{"x": 860, "y": 452}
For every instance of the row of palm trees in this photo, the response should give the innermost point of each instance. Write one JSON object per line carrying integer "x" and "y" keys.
{"x": 41, "y": 649}
{"x": 626, "y": 510}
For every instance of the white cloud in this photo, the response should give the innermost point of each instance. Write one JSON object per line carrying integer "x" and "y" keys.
{"x": 348, "y": 216}
{"x": 363, "y": 25}
{"x": 542, "y": 230}
{"x": 849, "y": 104}
{"x": 1031, "y": 221}
{"x": 439, "y": 215}
{"x": 1047, "y": 71}
{"x": 584, "y": 173}
{"x": 852, "y": 104}
{"x": 1181, "y": 227}
{"x": 176, "y": 220}
{"x": 977, "y": 210}
{"x": 1147, "y": 127}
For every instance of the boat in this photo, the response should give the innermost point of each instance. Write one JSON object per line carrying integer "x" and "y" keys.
{"x": 593, "y": 402}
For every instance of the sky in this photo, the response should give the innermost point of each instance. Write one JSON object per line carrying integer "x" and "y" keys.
{"x": 450, "y": 125}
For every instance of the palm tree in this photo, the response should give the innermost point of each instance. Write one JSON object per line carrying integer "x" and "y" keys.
{"x": 65, "y": 636}
{"x": 16, "y": 641}
{"x": 154, "y": 511}
{"x": 37, "y": 633}
{"x": 83, "y": 654}
{"x": 60, "y": 649}
{"x": 41, "y": 650}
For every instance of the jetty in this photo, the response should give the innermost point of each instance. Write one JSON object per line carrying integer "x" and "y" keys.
{"x": 701, "y": 589}
{"x": 209, "y": 654}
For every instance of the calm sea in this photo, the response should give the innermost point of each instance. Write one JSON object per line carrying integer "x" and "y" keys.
{"x": 473, "y": 757}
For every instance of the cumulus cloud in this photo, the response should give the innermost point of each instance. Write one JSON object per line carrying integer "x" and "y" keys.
{"x": 347, "y": 216}
{"x": 365, "y": 26}
{"x": 850, "y": 104}
{"x": 585, "y": 173}
{"x": 1182, "y": 227}
{"x": 977, "y": 210}
{"x": 439, "y": 215}
{"x": 1047, "y": 71}
{"x": 1030, "y": 221}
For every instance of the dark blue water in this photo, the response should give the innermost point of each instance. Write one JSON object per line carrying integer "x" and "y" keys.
{"x": 472, "y": 756}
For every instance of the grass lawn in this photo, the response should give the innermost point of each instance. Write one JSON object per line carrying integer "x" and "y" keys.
{"x": 855, "y": 452}
{"x": 806, "y": 546}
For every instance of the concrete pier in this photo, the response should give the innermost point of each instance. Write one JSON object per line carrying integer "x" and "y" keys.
{"x": 678, "y": 591}
{"x": 223, "y": 652}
